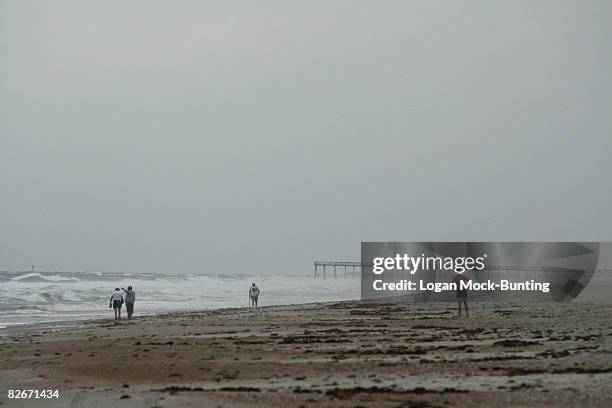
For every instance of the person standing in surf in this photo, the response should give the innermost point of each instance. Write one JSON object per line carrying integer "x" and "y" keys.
{"x": 461, "y": 294}
{"x": 253, "y": 295}
{"x": 130, "y": 299}
{"x": 116, "y": 301}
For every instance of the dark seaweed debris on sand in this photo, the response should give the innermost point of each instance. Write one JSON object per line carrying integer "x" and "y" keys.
{"x": 515, "y": 343}
{"x": 345, "y": 393}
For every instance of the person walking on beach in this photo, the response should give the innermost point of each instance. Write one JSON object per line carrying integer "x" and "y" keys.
{"x": 130, "y": 299}
{"x": 461, "y": 294}
{"x": 253, "y": 295}
{"x": 116, "y": 301}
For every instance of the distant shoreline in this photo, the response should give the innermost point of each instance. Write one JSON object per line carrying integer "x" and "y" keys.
{"x": 598, "y": 290}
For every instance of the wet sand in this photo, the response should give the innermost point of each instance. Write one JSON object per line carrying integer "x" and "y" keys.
{"x": 344, "y": 354}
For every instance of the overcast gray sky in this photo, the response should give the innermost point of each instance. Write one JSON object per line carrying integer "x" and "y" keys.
{"x": 241, "y": 136}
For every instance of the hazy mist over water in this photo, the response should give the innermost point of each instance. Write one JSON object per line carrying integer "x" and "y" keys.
{"x": 252, "y": 138}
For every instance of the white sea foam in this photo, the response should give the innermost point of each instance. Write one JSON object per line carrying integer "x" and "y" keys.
{"x": 40, "y": 297}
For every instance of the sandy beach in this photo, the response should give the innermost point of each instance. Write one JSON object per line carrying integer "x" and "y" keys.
{"x": 340, "y": 354}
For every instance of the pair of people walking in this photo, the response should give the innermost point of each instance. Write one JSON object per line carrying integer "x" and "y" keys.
{"x": 119, "y": 297}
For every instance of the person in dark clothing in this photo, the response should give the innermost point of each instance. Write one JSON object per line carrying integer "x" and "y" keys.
{"x": 461, "y": 294}
{"x": 130, "y": 299}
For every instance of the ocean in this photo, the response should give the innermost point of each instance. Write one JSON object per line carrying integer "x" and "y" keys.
{"x": 38, "y": 297}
